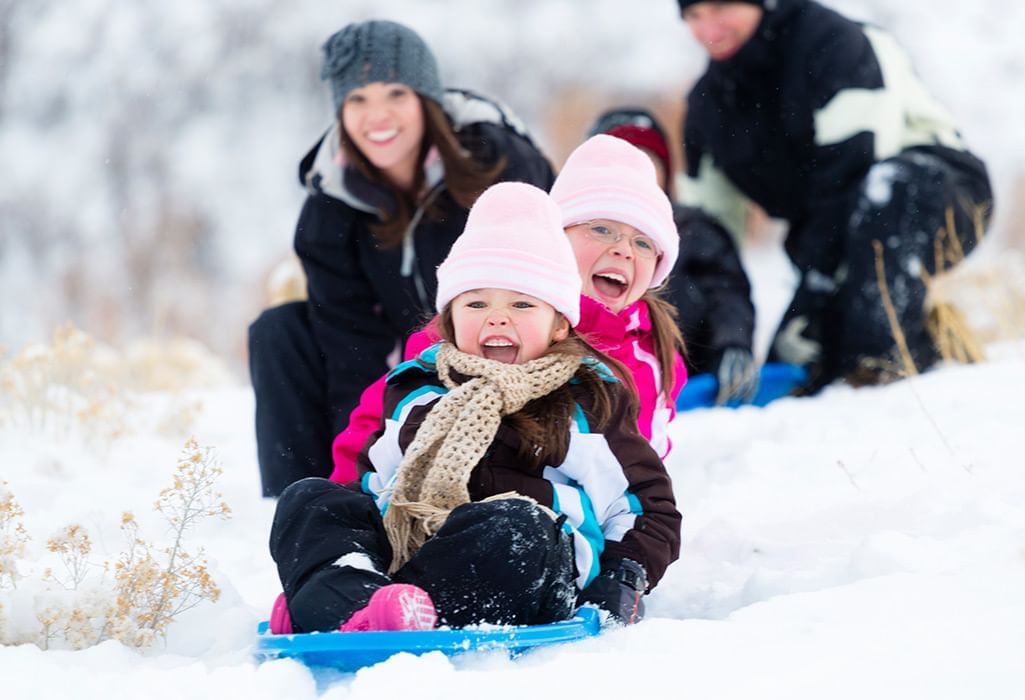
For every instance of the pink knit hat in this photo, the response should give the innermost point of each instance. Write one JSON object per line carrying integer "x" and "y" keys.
{"x": 608, "y": 178}
{"x": 514, "y": 240}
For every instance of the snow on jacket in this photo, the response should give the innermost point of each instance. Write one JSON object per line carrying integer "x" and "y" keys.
{"x": 625, "y": 336}
{"x": 611, "y": 486}
{"x": 798, "y": 116}
{"x": 710, "y": 290}
{"x": 365, "y": 300}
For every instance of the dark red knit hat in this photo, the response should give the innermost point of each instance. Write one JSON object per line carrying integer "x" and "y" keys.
{"x": 638, "y": 127}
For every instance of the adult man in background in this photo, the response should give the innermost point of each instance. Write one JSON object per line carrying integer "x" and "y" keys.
{"x": 821, "y": 121}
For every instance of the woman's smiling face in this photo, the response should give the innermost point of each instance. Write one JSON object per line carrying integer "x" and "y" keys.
{"x": 385, "y": 122}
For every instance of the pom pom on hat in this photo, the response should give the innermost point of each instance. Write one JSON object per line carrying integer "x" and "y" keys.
{"x": 607, "y": 178}
{"x": 514, "y": 240}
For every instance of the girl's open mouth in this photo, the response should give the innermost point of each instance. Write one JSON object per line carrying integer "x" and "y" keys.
{"x": 610, "y": 285}
{"x": 499, "y": 350}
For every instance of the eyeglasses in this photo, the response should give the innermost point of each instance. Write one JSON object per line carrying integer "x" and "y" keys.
{"x": 606, "y": 233}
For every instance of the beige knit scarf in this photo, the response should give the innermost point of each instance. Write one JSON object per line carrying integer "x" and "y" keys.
{"x": 432, "y": 477}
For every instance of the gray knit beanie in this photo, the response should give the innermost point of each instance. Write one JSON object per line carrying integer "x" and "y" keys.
{"x": 379, "y": 51}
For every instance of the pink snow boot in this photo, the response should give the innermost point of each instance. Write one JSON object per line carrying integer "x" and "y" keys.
{"x": 280, "y": 620}
{"x": 398, "y": 606}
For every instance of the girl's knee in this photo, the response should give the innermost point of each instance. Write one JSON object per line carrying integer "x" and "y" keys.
{"x": 504, "y": 514}
{"x": 305, "y": 490}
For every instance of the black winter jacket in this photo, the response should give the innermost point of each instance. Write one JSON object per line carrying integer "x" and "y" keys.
{"x": 710, "y": 290}
{"x": 796, "y": 118}
{"x": 364, "y": 300}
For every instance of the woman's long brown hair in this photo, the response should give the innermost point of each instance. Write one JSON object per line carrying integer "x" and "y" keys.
{"x": 465, "y": 176}
{"x": 544, "y": 423}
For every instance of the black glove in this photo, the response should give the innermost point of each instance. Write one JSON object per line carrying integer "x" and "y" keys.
{"x": 618, "y": 589}
{"x": 801, "y": 335}
{"x": 737, "y": 375}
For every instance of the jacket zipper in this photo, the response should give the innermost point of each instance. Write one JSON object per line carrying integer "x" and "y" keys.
{"x": 408, "y": 267}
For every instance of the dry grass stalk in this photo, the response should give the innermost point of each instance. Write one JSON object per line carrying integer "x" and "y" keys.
{"x": 995, "y": 291}
{"x": 954, "y": 338}
{"x": 891, "y": 313}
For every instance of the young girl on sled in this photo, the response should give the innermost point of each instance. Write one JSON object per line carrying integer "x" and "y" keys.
{"x": 620, "y": 225}
{"x": 508, "y": 483}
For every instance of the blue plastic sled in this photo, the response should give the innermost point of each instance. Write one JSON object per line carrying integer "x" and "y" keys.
{"x": 350, "y": 651}
{"x": 776, "y": 380}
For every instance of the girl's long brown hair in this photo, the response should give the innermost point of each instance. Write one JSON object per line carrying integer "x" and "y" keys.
{"x": 465, "y": 176}
{"x": 544, "y": 423}
{"x": 667, "y": 336}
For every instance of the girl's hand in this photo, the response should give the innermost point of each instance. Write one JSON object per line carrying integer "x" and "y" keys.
{"x": 619, "y": 590}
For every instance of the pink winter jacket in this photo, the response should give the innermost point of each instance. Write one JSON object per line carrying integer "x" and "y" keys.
{"x": 626, "y": 336}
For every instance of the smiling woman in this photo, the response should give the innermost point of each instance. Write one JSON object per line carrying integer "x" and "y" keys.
{"x": 389, "y": 186}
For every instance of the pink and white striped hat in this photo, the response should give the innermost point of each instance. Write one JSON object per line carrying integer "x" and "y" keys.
{"x": 514, "y": 240}
{"x": 608, "y": 178}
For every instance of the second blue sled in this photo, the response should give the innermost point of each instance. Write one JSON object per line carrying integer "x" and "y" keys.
{"x": 775, "y": 380}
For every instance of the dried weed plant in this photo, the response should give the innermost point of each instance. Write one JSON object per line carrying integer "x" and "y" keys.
{"x": 74, "y": 385}
{"x": 286, "y": 282}
{"x": 72, "y": 382}
{"x": 953, "y": 336}
{"x": 173, "y": 365}
{"x": 142, "y": 591}
{"x": 965, "y": 308}
{"x": 13, "y": 537}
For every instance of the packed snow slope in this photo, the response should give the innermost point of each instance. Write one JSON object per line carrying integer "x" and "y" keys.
{"x": 861, "y": 544}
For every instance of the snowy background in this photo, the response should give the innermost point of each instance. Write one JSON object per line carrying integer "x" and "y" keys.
{"x": 861, "y": 544}
{"x": 149, "y": 148}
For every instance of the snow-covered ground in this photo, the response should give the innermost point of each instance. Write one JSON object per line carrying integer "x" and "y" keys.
{"x": 862, "y": 544}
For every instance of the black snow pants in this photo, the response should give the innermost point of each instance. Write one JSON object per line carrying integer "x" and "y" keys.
{"x": 501, "y": 562}
{"x": 836, "y": 324}
{"x": 294, "y": 423}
